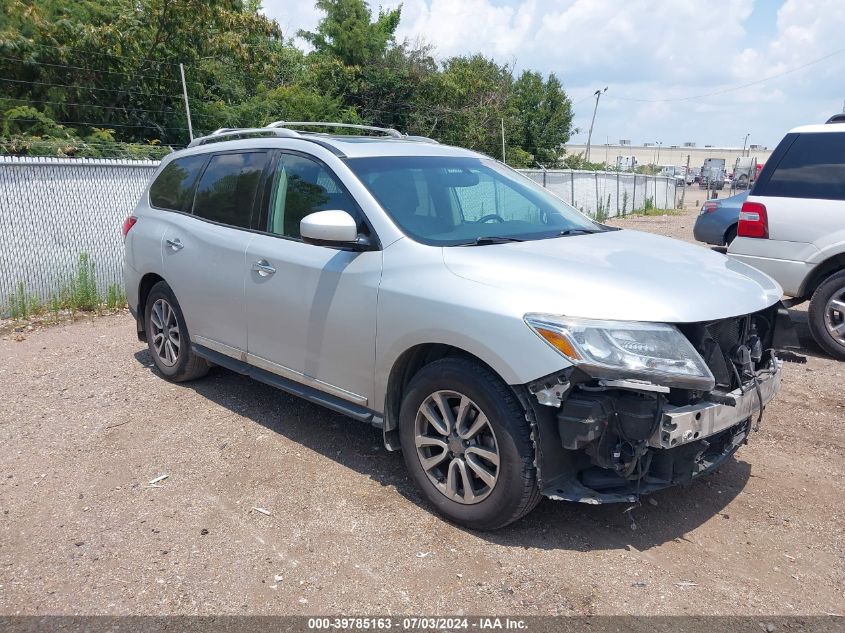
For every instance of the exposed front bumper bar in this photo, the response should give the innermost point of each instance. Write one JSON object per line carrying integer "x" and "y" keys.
{"x": 681, "y": 425}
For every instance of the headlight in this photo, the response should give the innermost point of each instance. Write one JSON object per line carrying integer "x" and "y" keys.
{"x": 656, "y": 352}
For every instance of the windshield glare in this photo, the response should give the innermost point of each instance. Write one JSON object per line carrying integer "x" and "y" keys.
{"x": 451, "y": 201}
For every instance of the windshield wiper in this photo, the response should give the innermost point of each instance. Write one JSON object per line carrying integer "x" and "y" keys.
{"x": 577, "y": 231}
{"x": 492, "y": 239}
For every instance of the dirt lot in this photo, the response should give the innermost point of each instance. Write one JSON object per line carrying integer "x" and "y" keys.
{"x": 85, "y": 424}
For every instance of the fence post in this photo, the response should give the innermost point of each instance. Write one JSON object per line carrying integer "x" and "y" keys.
{"x": 544, "y": 179}
{"x": 634, "y": 195}
{"x": 572, "y": 187}
{"x": 617, "y": 192}
{"x": 598, "y": 201}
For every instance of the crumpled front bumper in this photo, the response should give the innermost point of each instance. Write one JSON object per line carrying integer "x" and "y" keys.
{"x": 690, "y": 441}
{"x": 681, "y": 425}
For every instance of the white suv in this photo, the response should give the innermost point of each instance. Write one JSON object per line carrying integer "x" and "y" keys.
{"x": 507, "y": 344}
{"x": 792, "y": 227}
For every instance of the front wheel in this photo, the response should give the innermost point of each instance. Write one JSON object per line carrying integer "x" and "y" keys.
{"x": 167, "y": 337}
{"x": 827, "y": 316}
{"x": 467, "y": 445}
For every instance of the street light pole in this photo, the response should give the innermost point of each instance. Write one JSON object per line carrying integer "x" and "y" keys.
{"x": 657, "y": 161}
{"x": 745, "y": 142}
{"x": 598, "y": 94}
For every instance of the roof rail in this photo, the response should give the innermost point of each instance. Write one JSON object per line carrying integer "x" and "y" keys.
{"x": 227, "y": 134}
{"x": 388, "y": 131}
{"x": 837, "y": 118}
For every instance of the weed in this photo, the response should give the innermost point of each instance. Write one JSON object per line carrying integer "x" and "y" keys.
{"x": 624, "y": 203}
{"x": 82, "y": 291}
{"x": 115, "y": 297}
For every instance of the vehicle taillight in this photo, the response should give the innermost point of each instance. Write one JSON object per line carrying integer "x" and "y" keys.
{"x": 709, "y": 207}
{"x": 753, "y": 221}
{"x": 128, "y": 223}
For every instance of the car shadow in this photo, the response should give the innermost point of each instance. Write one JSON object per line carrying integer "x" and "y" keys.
{"x": 809, "y": 347}
{"x": 665, "y": 516}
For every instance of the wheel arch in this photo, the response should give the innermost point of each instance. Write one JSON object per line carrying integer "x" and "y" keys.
{"x": 406, "y": 366}
{"x": 144, "y": 287}
{"x": 828, "y": 267}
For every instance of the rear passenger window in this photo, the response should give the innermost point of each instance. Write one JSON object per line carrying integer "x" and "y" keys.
{"x": 175, "y": 184}
{"x": 302, "y": 186}
{"x": 813, "y": 167}
{"x": 227, "y": 189}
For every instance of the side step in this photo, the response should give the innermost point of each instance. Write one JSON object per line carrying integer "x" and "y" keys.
{"x": 316, "y": 396}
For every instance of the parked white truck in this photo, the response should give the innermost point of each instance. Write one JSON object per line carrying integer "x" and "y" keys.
{"x": 712, "y": 174}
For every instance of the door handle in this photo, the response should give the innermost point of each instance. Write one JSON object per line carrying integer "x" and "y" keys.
{"x": 175, "y": 244}
{"x": 263, "y": 268}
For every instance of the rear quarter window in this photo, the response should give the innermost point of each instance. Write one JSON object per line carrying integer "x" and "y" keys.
{"x": 812, "y": 166}
{"x": 228, "y": 188}
{"x": 173, "y": 189}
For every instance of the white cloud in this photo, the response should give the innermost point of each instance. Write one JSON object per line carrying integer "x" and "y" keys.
{"x": 651, "y": 49}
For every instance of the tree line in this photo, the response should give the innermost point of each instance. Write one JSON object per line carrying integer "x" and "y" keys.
{"x": 101, "y": 78}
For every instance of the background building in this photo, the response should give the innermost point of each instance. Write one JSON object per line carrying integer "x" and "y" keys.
{"x": 652, "y": 153}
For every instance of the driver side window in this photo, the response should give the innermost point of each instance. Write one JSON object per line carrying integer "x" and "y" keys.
{"x": 302, "y": 186}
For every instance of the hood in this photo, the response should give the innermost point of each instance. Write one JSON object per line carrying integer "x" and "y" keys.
{"x": 619, "y": 275}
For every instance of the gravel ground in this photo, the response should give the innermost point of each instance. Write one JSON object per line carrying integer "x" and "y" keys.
{"x": 85, "y": 424}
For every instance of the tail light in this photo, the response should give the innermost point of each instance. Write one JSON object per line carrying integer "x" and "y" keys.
{"x": 709, "y": 207}
{"x": 128, "y": 223}
{"x": 753, "y": 221}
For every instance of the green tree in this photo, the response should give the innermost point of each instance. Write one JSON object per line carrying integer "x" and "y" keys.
{"x": 542, "y": 116}
{"x": 348, "y": 33}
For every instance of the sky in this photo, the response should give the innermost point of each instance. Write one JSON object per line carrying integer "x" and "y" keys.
{"x": 675, "y": 70}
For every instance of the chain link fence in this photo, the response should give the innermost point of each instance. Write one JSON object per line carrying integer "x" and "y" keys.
{"x": 54, "y": 209}
{"x": 607, "y": 193}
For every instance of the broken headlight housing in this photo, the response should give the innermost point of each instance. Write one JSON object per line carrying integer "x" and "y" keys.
{"x": 653, "y": 352}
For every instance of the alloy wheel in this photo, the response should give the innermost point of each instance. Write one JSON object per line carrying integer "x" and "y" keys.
{"x": 457, "y": 447}
{"x": 166, "y": 337}
{"x": 834, "y": 316}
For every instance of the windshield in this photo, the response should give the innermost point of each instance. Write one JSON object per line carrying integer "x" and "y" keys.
{"x": 451, "y": 201}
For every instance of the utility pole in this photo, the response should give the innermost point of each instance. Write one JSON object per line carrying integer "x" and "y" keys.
{"x": 657, "y": 160}
{"x": 745, "y": 142}
{"x": 187, "y": 107}
{"x": 503, "y": 140}
{"x": 590, "y": 134}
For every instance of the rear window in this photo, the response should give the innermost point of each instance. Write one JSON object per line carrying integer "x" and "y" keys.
{"x": 174, "y": 186}
{"x": 813, "y": 166}
{"x": 226, "y": 192}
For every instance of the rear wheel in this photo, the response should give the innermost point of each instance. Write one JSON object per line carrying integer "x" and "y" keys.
{"x": 167, "y": 337}
{"x": 467, "y": 445}
{"x": 827, "y": 315}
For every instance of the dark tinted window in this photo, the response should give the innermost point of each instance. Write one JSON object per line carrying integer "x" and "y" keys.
{"x": 227, "y": 189}
{"x": 302, "y": 186}
{"x": 812, "y": 167}
{"x": 175, "y": 184}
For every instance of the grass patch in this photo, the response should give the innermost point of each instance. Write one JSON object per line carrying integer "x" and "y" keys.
{"x": 78, "y": 294}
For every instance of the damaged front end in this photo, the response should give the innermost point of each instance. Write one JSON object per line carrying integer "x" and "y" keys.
{"x": 648, "y": 406}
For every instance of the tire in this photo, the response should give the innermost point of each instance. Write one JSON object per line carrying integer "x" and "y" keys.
{"x": 827, "y": 315}
{"x": 175, "y": 360}
{"x": 730, "y": 235}
{"x": 453, "y": 383}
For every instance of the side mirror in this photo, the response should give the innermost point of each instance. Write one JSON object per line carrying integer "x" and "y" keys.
{"x": 329, "y": 227}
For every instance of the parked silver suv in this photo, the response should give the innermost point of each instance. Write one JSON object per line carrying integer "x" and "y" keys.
{"x": 507, "y": 344}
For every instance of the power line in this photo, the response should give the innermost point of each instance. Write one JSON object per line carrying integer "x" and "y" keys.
{"x": 106, "y": 125}
{"x": 733, "y": 88}
{"x": 120, "y": 90}
{"x": 100, "y": 107}
{"x": 66, "y": 49}
{"x": 94, "y": 70}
